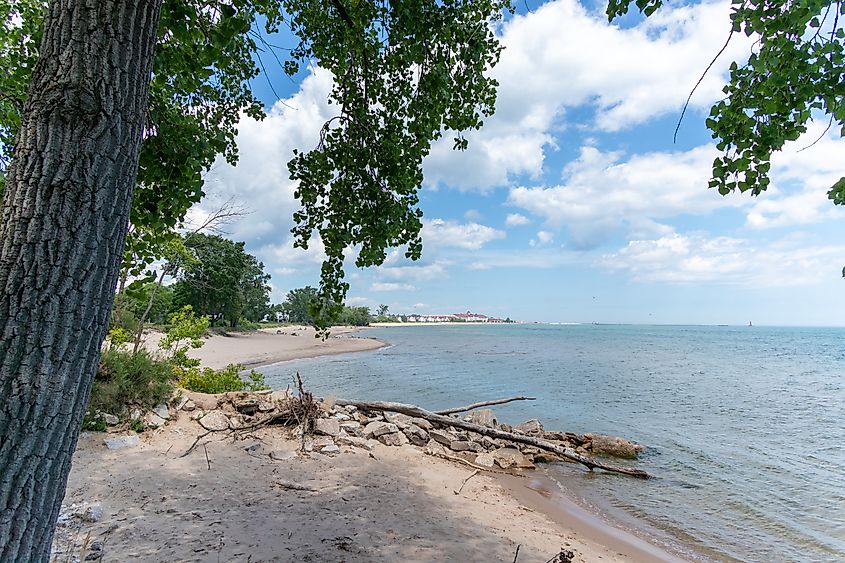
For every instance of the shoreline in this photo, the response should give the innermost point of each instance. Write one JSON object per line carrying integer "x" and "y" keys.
{"x": 532, "y": 491}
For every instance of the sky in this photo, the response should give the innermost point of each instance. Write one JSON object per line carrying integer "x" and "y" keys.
{"x": 573, "y": 203}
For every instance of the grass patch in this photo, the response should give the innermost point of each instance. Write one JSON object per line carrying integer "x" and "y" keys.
{"x": 208, "y": 380}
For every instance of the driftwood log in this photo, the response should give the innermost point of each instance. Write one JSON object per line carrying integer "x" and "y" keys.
{"x": 568, "y": 453}
{"x": 484, "y": 404}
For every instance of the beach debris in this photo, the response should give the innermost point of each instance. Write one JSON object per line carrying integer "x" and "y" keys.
{"x": 561, "y": 450}
{"x": 483, "y": 417}
{"x": 327, "y": 426}
{"x": 214, "y": 421}
{"x": 464, "y": 482}
{"x": 485, "y": 404}
{"x": 122, "y": 442}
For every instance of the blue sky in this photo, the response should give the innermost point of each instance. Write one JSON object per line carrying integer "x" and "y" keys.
{"x": 573, "y": 204}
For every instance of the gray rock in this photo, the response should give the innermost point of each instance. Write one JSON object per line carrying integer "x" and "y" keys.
{"x": 136, "y": 413}
{"x": 510, "y": 457}
{"x": 247, "y": 406}
{"x": 214, "y": 420}
{"x": 378, "y": 428}
{"x": 476, "y": 447}
{"x": 122, "y": 442}
{"x": 417, "y": 435}
{"x": 615, "y": 446}
{"x": 331, "y": 449}
{"x": 153, "y": 420}
{"x": 393, "y": 438}
{"x": 435, "y": 448}
{"x": 530, "y": 428}
{"x": 162, "y": 411}
{"x": 442, "y": 437}
{"x": 189, "y": 406}
{"x": 94, "y": 513}
{"x": 254, "y": 447}
{"x": 282, "y": 455}
{"x": 266, "y": 406}
{"x": 355, "y": 441}
{"x": 483, "y": 417}
{"x": 181, "y": 402}
{"x": 402, "y": 421}
{"x": 110, "y": 419}
{"x": 327, "y": 426}
{"x": 485, "y": 460}
{"x": 459, "y": 445}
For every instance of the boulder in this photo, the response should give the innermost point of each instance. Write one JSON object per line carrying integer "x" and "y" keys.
{"x": 442, "y": 437}
{"x": 510, "y": 457}
{"x": 214, "y": 420}
{"x": 189, "y": 406}
{"x": 402, "y": 421}
{"x": 179, "y": 402}
{"x": 530, "y": 428}
{"x": 282, "y": 455}
{"x": 459, "y": 445}
{"x": 152, "y": 420}
{"x": 341, "y": 416}
{"x": 482, "y": 417}
{"x": 615, "y": 446}
{"x": 327, "y": 426}
{"x": 162, "y": 411}
{"x": 331, "y": 449}
{"x": 435, "y": 448}
{"x": 416, "y": 435}
{"x": 378, "y": 428}
{"x": 110, "y": 419}
{"x": 93, "y": 513}
{"x": 393, "y": 439}
{"x": 122, "y": 442}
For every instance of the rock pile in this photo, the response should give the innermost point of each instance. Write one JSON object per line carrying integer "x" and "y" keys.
{"x": 338, "y": 425}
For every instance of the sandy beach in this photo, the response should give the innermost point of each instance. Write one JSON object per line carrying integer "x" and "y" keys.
{"x": 231, "y": 499}
{"x": 271, "y": 345}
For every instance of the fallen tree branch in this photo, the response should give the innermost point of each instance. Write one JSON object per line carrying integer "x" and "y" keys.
{"x": 568, "y": 453}
{"x": 485, "y": 404}
{"x": 471, "y": 475}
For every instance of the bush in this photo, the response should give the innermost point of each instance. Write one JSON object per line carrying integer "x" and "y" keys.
{"x": 130, "y": 378}
{"x": 208, "y": 380}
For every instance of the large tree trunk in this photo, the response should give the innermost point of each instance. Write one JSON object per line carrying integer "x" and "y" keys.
{"x": 64, "y": 217}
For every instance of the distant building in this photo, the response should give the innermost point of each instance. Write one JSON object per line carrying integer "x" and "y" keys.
{"x": 472, "y": 317}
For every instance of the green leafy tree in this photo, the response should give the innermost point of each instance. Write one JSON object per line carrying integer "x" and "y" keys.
{"x": 223, "y": 281}
{"x": 297, "y": 305}
{"x": 354, "y": 316}
{"x": 793, "y": 75}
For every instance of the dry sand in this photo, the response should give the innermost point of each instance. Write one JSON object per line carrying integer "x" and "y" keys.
{"x": 393, "y": 504}
{"x": 271, "y": 345}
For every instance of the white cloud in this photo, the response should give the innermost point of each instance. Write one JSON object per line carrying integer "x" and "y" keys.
{"x": 801, "y": 175}
{"x": 697, "y": 259}
{"x": 562, "y": 56}
{"x": 602, "y": 193}
{"x": 516, "y": 220}
{"x": 471, "y": 236}
{"x": 543, "y": 238}
{"x": 260, "y": 181}
{"x": 382, "y": 286}
{"x": 413, "y": 273}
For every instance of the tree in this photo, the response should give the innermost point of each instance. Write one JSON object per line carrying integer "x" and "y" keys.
{"x": 65, "y": 209}
{"x": 223, "y": 282}
{"x": 793, "y": 75}
{"x": 382, "y": 310}
{"x": 297, "y": 305}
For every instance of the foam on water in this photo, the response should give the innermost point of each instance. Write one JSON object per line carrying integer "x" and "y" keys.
{"x": 745, "y": 426}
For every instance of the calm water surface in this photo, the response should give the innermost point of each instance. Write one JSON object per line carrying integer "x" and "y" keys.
{"x": 745, "y": 426}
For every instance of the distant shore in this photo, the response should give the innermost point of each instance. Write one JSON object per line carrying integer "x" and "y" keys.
{"x": 272, "y": 345}
{"x": 445, "y": 323}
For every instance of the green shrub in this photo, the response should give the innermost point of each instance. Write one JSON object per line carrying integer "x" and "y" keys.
{"x": 94, "y": 422}
{"x": 137, "y": 425}
{"x": 130, "y": 378}
{"x": 207, "y": 380}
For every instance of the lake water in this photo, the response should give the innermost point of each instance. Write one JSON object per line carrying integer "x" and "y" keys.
{"x": 745, "y": 425}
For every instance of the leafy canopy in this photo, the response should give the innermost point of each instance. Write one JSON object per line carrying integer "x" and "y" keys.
{"x": 793, "y": 74}
{"x": 404, "y": 72}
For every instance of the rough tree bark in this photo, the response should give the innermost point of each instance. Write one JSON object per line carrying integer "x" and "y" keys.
{"x": 64, "y": 217}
